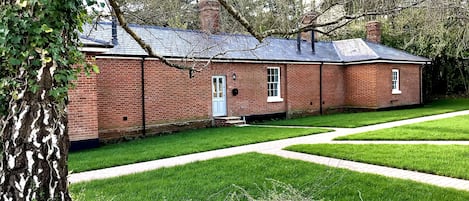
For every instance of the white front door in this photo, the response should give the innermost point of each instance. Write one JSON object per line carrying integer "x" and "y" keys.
{"x": 218, "y": 96}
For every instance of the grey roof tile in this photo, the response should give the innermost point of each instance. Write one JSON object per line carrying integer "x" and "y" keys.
{"x": 354, "y": 50}
{"x": 195, "y": 44}
{"x": 389, "y": 53}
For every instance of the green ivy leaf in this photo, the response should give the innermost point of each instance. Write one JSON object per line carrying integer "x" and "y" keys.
{"x": 14, "y": 62}
{"x": 46, "y": 28}
{"x": 95, "y": 68}
{"x": 34, "y": 88}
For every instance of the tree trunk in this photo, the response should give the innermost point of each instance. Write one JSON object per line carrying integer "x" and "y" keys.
{"x": 35, "y": 144}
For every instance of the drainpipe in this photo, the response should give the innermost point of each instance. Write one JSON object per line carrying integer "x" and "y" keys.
{"x": 320, "y": 88}
{"x": 286, "y": 102}
{"x": 313, "y": 48}
{"x": 420, "y": 84}
{"x": 298, "y": 42}
{"x": 142, "y": 69}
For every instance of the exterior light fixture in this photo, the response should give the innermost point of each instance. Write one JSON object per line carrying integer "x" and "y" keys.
{"x": 234, "y": 76}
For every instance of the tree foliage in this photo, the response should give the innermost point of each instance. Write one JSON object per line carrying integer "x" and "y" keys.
{"x": 38, "y": 48}
{"x": 264, "y": 14}
{"x": 169, "y": 13}
{"x": 437, "y": 29}
{"x": 30, "y": 34}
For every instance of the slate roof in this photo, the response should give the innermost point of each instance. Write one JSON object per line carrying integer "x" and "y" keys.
{"x": 177, "y": 43}
{"x": 93, "y": 42}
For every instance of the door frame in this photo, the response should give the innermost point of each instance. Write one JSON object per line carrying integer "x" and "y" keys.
{"x": 223, "y": 99}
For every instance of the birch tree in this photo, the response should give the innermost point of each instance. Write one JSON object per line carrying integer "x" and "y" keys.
{"x": 38, "y": 45}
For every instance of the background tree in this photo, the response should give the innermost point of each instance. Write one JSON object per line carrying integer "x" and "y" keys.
{"x": 37, "y": 52}
{"x": 264, "y": 14}
{"x": 38, "y": 46}
{"x": 170, "y": 13}
{"x": 437, "y": 29}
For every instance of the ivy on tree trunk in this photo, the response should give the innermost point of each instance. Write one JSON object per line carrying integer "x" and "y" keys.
{"x": 38, "y": 46}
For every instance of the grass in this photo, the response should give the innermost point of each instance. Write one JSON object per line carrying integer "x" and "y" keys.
{"x": 178, "y": 144}
{"x": 218, "y": 178}
{"x": 455, "y": 128}
{"x": 445, "y": 160}
{"x": 353, "y": 120}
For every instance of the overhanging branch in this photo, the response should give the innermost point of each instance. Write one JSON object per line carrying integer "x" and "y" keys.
{"x": 260, "y": 36}
{"x": 141, "y": 43}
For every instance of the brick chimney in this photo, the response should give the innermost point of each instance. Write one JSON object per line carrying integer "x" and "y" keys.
{"x": 209, "y": 16}
{"x": 373, "y": 31}
{"x": 308, "y": 18}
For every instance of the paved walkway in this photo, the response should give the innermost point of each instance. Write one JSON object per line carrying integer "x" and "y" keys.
{"x": 375, "y": 169}
{"x": 275, "y": 148}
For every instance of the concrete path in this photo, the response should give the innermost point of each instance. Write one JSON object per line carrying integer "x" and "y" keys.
{"x": 401, "y": 142}
{"x": 275, "y": 148}
{"x": 375, "y": 169}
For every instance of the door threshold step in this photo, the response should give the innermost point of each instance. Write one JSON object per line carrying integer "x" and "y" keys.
{"x": 227, "y": 118}
{"x": 235, "y": 122}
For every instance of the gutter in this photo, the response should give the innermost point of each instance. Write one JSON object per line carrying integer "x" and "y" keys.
{"x": 320, "y": 88}
{"x": 260, "y": 61}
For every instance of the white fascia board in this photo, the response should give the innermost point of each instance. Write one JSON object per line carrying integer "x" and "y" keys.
{"x": 263, "y": 62}
{"x": 93, "y": 49}
{"x": 386, "y": 61}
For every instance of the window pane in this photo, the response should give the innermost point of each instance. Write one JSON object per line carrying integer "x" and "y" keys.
{"x": 273, "y": 82}
{"x": 275, "y": 89}
{"x": 214, "y": 87}
{"x": 220, "y": 87}
{"x": 395, "y": 79}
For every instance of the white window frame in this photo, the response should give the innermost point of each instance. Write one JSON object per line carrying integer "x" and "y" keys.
{"x": 396, "y": 89}
{"x": 278, "y": 97}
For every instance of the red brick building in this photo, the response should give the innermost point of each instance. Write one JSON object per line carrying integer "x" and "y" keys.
{"x": 138, "y": 95}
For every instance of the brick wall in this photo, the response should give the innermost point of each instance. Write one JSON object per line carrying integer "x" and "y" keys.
{"x": 119, "y": 94}
{"x": 409, "y": 85}
{"x": 333, "y": 89}
{"x": 171, "y": 97}
{"x": 82, "y": 108}
{"x": 302, "y": 89}
{"x": 251, "y": 83}
{"x": 111, "y": 102}
{"x": 370, "y": 86}
{"x": 361, "y": 85}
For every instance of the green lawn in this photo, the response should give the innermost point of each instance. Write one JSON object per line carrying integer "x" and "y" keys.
{"x": 456, "y": 128}
{"x": 215, "y": 180}
{"x": 181, "y": 143}
{"x": 352, "y": 120}
{"x": 445, "y": 160}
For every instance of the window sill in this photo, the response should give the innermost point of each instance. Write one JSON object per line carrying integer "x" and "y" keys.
{"x": 396, "y": 92}
{"x": 274, "y": 99}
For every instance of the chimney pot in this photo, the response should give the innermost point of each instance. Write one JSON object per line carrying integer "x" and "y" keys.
{"x": 373, "y": 31}
{"x": 114, "y": 31}
{"x": 209, "y": 14}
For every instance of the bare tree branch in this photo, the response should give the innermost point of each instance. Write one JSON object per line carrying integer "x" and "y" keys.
{"x": 143, "y": 45}
{"x": 232, "y": 10}
{"x": 260, "y": 36}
